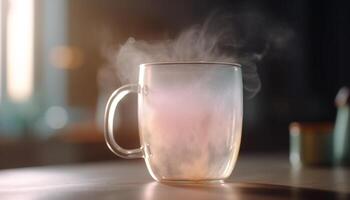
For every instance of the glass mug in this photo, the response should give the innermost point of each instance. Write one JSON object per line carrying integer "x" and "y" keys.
{"x": 190, "y": 119}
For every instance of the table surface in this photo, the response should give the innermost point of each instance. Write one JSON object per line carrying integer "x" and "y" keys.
{"x": 255, "y": 177}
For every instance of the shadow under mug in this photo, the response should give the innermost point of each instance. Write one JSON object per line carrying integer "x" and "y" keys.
{"x": 190, "y": 119}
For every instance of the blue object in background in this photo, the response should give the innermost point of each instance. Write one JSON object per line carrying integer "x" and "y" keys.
{"x": 342, "y": 128}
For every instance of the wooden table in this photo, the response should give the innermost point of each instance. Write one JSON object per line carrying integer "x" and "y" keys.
{"x": 255, "y": 177}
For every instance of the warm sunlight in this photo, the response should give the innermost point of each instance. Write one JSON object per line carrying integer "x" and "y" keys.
{"x": 1, "y": 64}
{"x": 20, "y": 38}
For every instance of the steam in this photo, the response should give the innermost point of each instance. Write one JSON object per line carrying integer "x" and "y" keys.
{"x": 220, "y": 38}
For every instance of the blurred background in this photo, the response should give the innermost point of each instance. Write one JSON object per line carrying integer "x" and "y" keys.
{"x": 52, "y": 91}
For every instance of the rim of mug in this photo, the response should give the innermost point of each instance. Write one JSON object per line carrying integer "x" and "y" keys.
{"x": 237, "y": 65}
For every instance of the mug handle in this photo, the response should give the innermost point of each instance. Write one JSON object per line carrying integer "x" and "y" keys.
{"x": 112, "y": 104}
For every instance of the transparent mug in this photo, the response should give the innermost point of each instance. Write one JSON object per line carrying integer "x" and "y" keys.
{"x": 190, "y": 119}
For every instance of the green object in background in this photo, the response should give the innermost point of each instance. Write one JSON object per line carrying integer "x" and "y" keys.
{"x": 342, "y": 128}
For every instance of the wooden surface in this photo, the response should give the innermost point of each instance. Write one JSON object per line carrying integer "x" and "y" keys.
{"x": 255, "y": 177}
